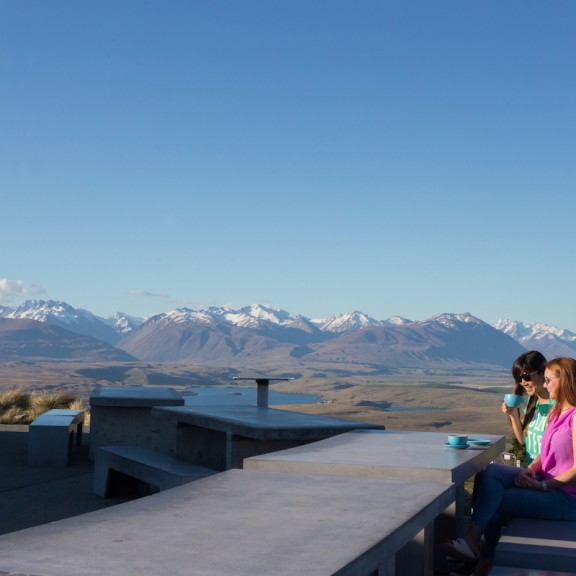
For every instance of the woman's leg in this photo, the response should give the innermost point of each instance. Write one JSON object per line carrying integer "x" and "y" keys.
{"x": 490, "y": 486}
{"x": 524, "y": 503}
{"x": 489, "y": 492}
{"x": 551, "y": 505}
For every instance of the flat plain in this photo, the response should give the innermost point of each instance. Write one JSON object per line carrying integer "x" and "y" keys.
{"x": 467, "y": 401}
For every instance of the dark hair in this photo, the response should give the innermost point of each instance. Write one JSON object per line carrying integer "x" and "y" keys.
{"x": 527, "y": 363}
{"x": 565, "y": 370}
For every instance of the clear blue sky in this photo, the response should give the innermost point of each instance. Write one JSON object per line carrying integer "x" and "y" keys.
{"x": 321, "y": 156}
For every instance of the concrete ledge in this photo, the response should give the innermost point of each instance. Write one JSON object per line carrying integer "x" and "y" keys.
{"x": 158, "y": 470}
{"x": 510, "y": 571}
{"x": 53, "y": 436}
{"x": 538, "y": 544}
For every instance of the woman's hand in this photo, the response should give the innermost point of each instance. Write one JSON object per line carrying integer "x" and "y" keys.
{"x": 527, "y": 479}
{"x": 506, "y": 409}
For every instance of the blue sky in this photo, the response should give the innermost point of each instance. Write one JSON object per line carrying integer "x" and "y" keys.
{"x": 395, "y": 157}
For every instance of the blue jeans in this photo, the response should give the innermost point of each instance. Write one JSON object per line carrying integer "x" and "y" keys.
{"x": 496, "y": 494}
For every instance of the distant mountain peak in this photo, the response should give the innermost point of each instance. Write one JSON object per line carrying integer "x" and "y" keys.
{"x": 451, "y": 319}
{"x": 348, "y": 321}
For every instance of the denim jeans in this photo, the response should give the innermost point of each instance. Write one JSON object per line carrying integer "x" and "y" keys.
{"x": 495, "y": 494}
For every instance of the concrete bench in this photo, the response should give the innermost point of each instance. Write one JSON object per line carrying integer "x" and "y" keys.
{"x": 53, "y": 437}
{"x": 538, "y": 544}
{"x": 159, "y": 471}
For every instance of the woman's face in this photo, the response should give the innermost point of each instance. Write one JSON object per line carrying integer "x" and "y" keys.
{"x": 552, "y": 383}
{"x": 534, "y": 384}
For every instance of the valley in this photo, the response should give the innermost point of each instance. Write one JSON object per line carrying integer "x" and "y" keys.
{"x": 424, "y": 400}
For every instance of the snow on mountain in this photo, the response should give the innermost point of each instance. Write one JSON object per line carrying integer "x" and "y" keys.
{"x": 63, "y": 315}
{"x": 397, "y": 321}
{"x": 273, "y": 315}
{"x": 279, "y": 324}
{"x": 524, "y": 330}
{"x": 451, "y": 320}
{"x": 256, "y": 317}
{"x": 347, "y": 322}
{"x": 182, "y": 316}
{"x": 122, "y": 323}
{"x": 549, "y": 340}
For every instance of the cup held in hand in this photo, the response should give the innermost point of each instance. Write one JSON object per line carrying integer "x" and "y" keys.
{"x": 513, "y": 400}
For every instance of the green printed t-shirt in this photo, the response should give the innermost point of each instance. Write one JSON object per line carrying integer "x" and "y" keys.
{"x": 536, "y": 428}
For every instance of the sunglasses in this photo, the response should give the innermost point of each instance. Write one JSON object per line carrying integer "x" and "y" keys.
{"x": 526, "y": 377}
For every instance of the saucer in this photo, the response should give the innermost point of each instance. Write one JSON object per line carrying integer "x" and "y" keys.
{"x": 479, "y": 442}
{"x": 457, "y": 446}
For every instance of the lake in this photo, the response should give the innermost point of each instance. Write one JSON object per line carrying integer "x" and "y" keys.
{"x": 198, "y": 396}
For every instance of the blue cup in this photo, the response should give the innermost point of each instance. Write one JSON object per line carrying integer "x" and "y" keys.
{"x": 513, "y": 400}
{"x": 457, "y": 440}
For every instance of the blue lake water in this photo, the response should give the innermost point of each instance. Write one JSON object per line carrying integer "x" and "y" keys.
{"x": 233, "y": 396}
{"x": 197, "y": 396}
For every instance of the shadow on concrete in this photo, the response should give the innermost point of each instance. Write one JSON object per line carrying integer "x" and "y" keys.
{"x": 32, "y": 496}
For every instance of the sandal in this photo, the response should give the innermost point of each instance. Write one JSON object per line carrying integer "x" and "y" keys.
{"x": 458, "y": 548}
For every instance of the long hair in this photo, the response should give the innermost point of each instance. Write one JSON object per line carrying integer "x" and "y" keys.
{"x": 565, "y": 370}
{"x": 527, "y": 363}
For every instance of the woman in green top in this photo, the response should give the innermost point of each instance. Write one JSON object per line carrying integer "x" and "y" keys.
{"x": 528, "y": 372}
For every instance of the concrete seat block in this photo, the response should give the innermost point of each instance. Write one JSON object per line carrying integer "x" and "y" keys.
{"x": 53, "y": 436}
{"x": 538, "y": 544}
{"x": 143, "y": 464}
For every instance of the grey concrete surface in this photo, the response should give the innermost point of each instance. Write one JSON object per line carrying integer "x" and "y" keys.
{"x": 133, "y": 396}
{"x": 534, "y": 543}
{"x": 383, "y": 454}
{"x": 33, "y": 496}
{"x": 158, "y": 470}
{"x": 239, "y": 523}
{"x": 122, "y": 415}
{"x": 221, "y": 437}
{"x": 396, "y": 454}
{"x": 54, "y": 436}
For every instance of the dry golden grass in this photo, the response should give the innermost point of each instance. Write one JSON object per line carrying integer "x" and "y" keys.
{"x": 19, "y": 407}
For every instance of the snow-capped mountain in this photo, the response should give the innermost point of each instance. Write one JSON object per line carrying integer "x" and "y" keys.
{"x": 122, "y": 323}
{"x": 346, "y": 322}
{"x": 223, "y": 334}
{"x": 65, "y": 316}
{"x": 549, "y": 340}
{"x": 451, "y": 320}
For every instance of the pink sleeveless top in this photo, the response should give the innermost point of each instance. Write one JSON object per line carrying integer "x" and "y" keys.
{"x": 557, "y": 453}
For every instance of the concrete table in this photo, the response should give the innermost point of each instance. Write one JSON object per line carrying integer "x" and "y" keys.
{"x": 221, "y": 437}
{"x": 237, "y": 523}
{"x": 121, "y": 415}
{"x": 391, "y": 454}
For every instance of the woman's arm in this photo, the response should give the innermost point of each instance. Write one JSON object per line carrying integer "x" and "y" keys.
{"x": 568, "y": 477}
{"x": 514, "y": 419}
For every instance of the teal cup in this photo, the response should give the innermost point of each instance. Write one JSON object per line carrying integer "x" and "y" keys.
{"x": 457, "y": 440}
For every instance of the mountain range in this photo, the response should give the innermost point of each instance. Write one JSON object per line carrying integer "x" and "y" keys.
{"x": 261, "y": 336}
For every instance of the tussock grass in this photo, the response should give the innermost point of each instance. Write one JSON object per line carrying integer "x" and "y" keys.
{"x": 13, "y": 415}
{"x": 18, "y": 407}
{"x": 14, "y": 398}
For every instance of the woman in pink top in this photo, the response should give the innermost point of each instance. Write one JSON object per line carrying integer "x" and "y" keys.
{"x": 546, "y": 489}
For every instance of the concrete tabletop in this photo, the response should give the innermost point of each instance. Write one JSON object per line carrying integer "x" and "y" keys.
{"x": 384, "y": 454}
{"x": 134, "y": 396}
{"x": 259, "y": 423}
{"x": 240, "y": 523}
